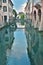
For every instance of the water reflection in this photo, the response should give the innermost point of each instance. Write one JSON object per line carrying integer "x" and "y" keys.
{"x": 18, "y": 54}
{"x": 35, "y": 44}
{"x": 6, "y": 40}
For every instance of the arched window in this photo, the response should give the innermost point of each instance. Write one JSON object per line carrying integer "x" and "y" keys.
{"x": 5, "y": 8}
{"x": 39, "y": 14}
{"x": 35, "y": 15}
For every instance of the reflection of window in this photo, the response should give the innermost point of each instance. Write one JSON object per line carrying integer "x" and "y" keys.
{"x": 4, "y": 1}
{"x": 4, "y": 8}
{"x": 6, "y": 31}
{"x": 6, "y": 39}
{"x": 0, "y": 39}
{"x": 35, "y": 15}
{"x": 39, "y": 14}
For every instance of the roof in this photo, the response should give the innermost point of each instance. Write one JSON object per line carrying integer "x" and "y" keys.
{"x": 11, "y": 2}
{"x": 26, "y": 6}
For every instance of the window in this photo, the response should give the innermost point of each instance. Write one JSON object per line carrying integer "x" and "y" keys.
{"x": 35, "y": 15}
{"x": 6, "y": 31}
{"x": 0, "y": 7}
{"x": 5, "y": 9}
{"x": 39, "y": 14}
{"x": 2, "y": 18}
{"x": 5, "y": 18}
{"x": 4, "y": 1}
{"x": 0, "y": 4}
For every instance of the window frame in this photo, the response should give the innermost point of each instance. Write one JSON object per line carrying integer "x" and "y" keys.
{"x": 4, "y": 1}
{"x": 35, "y": 14}
{"x": 4, "y": 8}
{"x": 5, "y": 18}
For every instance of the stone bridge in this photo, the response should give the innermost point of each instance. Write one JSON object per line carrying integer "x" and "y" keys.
{"x": 19, "y": 26}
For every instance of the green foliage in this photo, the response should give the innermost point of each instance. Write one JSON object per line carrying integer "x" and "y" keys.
{"x": 22, "y": 19}
{"x": 14, "y": 12}
{"x": 22, "y": 16}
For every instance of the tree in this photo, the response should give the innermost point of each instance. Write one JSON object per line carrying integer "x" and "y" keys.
{"x": 22, "y": 19}
{"x": 22, "y": 16}
{"x": 14, "y": 12}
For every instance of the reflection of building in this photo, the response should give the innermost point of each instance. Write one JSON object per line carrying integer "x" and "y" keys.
{"x": 6, "y": 41}
{"x": 6, "y": 9}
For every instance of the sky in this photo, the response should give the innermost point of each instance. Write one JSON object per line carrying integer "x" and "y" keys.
{"x": 19, "y": 4}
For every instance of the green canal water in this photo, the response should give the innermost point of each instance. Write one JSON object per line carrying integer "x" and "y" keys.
{"x": 21, "y": 47}
{"x": 18, "y": 53}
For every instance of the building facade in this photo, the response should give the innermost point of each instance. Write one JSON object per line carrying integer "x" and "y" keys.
{"x": 34, "y": 11}
{"x": 36, "y": 14}
{"x": 41, "y": 16}
{"x": 27, "y": 10}
{"x": 34, "y": 33}
{"x": 6, "y": 11}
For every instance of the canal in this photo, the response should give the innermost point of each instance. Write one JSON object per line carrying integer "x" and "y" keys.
{"x": 18, "y": 54}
